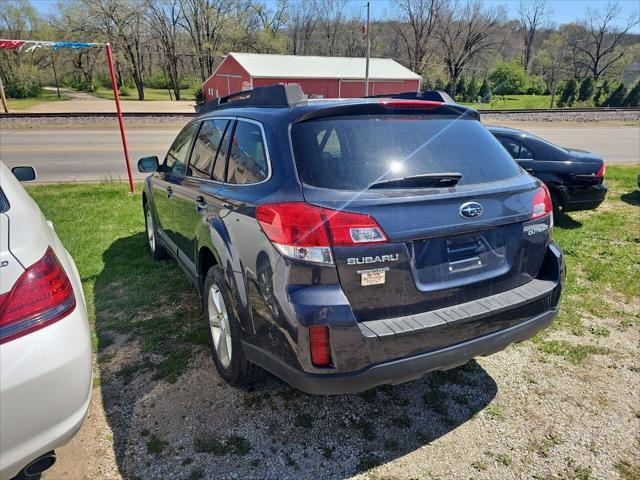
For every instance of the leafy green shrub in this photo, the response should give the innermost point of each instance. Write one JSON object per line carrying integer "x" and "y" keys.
{"x": 485, "y": 92}
{"x": 633, "y": 97}
{"x": 461, "y": 90}
{"x": 569, "y": 92}
{"x": 602, "y": 93}
{"x": 24, "y": 83}
{"x": 80, "y": 84}
{"x": 159, "y": 80}
{"x": 587, "y": 90}
{"x": 536, "y": 85}
{"x": 508, "y": 78}
{"x": 473, "y": 90}
{"x": 199, "y": 96}
{"x": 617, "y": 97}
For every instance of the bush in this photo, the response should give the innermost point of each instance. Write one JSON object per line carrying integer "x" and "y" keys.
{"x": 158, "y": 80}
{"x": 536, "y": 85}
{"x": 461, "y": 90}
{"x": 633, "y": 98}
{"x": 587, "y": 90}
{"x": 617, "y": 97}
{"x": 473, "y": 90}
{"x": 79, "y": 84}
{"x": 508, "y": 78}
{"x": 485, "y": 92}
{"x": 601, "y": 94}
{"x": 569, "y": 92}
{"x": 199, "y": 96}
{"x": 24, "y": 83}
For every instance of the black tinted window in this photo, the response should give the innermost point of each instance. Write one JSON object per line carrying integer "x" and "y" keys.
{"x": 206, "y": 148}
{"x": 525, "y": 152}
{"x": 221, "y": 158}
{"x": 248, "y": 159}
{"x": 179, "y": 151}
{"x": 512, "y": 146}
{"x": 354, "y": 152}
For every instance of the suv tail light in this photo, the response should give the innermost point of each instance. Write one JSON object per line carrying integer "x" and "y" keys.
{"x": 601, "y": 170}
{"x": 541, "y": 203}
{"x": 42, "y": 295}
{"x": 304, "y": 232}
{"x": 319, "y": 343}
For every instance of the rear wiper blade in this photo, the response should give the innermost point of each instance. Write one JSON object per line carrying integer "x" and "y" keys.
{"x": 445, "y": 179}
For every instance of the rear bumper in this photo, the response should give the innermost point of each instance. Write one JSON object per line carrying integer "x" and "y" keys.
{"x": 585, "y": 198}
{"x": 45, "y": 390}
{"x": 404, "y": 369}
{"x": 398, "y": 350}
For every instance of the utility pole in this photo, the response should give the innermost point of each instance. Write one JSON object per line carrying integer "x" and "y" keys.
{"x": 366, "y": 73}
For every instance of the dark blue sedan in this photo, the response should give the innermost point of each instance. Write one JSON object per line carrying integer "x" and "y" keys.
{"x": 574, "y": 177}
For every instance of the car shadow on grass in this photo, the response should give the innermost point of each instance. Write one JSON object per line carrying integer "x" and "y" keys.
{"x": 564, "y": 221}
{"x": 632, "y": 198}
{"x": 173, "y": 417}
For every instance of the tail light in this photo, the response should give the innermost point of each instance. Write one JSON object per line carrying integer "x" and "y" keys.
{"x": 42, "y": 295}
{"x": 601, "y": 170}
{"x": 411, "y": 103}
{"x": 541, "y": 203}
{"x": 319, "y": 343}
{"x": 304, "y": 232}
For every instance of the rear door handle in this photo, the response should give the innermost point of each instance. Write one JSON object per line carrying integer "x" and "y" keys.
{"x": 169, "y": 192}
{"x": 201, "y": 204}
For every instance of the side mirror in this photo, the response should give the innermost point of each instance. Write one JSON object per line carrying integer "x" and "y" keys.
{"x": 24, "y": 174}
{"x": 148, "y": 164}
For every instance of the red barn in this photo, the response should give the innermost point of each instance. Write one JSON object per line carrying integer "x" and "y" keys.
{"x": 319, "y": 77}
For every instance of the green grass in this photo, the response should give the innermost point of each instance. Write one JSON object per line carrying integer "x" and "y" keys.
{"x": 508, "y": 102}
{"x": 150, "y": 94}
{"x": 24, "y": 103}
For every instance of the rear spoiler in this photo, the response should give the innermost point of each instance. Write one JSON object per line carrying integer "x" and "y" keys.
{"x": 431, "y": 95}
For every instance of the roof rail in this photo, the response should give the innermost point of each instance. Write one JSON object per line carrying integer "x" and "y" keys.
{"x": 278, "y": 96}
{"x": 431, "y": 95}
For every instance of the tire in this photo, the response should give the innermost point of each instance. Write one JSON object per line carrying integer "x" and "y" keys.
{"x": 224, "y": 331}
{"x": 557, "y": 204}
{"x": 156, "y": 250}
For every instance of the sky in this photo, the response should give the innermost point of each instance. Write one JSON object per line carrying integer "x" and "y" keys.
{"x": 564, "y": 11}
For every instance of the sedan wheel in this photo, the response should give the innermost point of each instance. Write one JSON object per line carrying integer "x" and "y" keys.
{"x": 219, "y": 325}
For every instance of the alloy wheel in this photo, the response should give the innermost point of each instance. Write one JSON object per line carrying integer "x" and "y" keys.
{"x": 219, "y": 325}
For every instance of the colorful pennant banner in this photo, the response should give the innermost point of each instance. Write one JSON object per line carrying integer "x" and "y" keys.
{"x": 31, "y": 45}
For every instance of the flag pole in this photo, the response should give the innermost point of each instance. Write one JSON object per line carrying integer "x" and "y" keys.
{"x": 366, "y": 73}
{"x": 120, "y": 120}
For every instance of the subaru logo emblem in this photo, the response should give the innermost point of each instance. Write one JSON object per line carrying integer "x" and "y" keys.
{"x": 470, "y": 210}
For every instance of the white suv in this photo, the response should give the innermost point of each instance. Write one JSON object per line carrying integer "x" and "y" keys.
{"x": 45, "y": 341}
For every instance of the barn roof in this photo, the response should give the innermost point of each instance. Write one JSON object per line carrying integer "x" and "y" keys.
{"x": 299, "y": 66}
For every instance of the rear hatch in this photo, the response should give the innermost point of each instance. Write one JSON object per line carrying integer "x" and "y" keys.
{"x": 454, "y": 206}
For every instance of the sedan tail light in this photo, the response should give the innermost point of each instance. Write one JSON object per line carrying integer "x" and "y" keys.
{"x": 304, "y": 232}
{"x": 601, "y": 170}
{"x": 41, "y": 296}
{"x": 541, "y": 203}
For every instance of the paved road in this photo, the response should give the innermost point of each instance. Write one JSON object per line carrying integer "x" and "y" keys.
{"x": 96, "y": 154}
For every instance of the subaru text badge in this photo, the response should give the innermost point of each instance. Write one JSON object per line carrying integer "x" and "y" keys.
{"x": 470, "y": 210}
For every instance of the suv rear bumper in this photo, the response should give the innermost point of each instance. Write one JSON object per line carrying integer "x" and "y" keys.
{"x": 398, "y": 350}
{"x": 401, "y": 370}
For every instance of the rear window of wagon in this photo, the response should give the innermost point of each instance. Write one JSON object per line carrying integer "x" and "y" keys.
{"x": 352, "y": 153}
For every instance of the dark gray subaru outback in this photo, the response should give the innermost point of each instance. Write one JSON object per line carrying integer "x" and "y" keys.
{"x": 344, "y": 244}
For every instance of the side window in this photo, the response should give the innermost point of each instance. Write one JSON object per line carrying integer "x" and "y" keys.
{"x": 221, "y": 158}
{"x": 247, "y": 159}
{"x": 176, "y": 159}
{"x": 512, "y": 146}
{"x": 526, "y": 153}
{"x": 206, "y": 148}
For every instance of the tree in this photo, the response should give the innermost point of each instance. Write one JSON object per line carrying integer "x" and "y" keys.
{"x": 532, "y": 15}
{"x": 508, "y": 78}
{"x": 568, "y": 95}
{"x": 602, "y": 93}
{"x": 466, "y": 31}
{"x": 617, "y": 97}
{"x": 461, "y": 90}
{"x": 415, "y": 28}
{"x": 473, "y": 90}
{"x": 536, "y": 85}
{"x": 601, "y": 40}
{"x": 633, "y": 97}
{"x": 164, "y": 19}
{"x": 302, "y": 24}
{"x": 330, "y": 17}
{"x": 205, "y": 22}
{"x": 587, "y": 90}
{"x": 485, "y": 92}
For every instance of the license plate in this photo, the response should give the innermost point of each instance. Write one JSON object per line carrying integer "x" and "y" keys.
{"x": 375, "y": 276}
